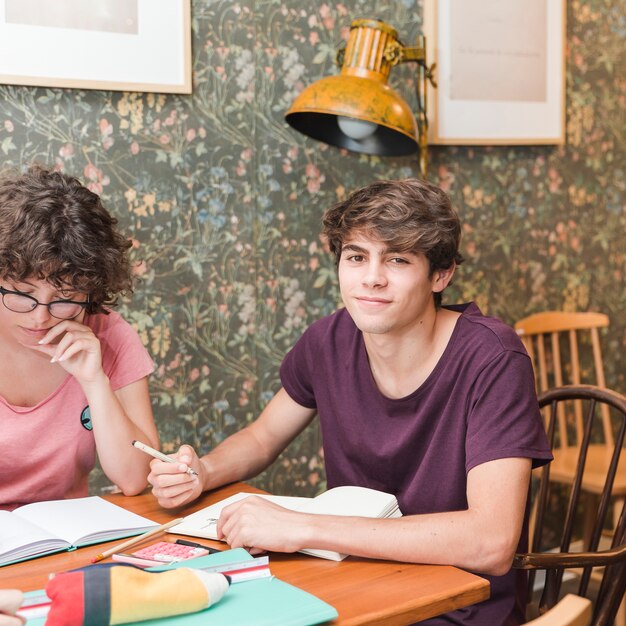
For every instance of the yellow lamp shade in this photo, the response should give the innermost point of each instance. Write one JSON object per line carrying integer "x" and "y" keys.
{"x": 318, "y": 110}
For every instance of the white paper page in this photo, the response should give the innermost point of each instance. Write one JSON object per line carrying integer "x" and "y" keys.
{"x": 203, "y": 523}
{"x": 350, "y": 500}
{"x": 357, "y": 501}
{"x": 78, "y": 518}
{"x": 15, "y": 532}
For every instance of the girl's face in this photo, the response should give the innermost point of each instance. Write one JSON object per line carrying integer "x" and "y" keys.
{"x": 32, "y": 306}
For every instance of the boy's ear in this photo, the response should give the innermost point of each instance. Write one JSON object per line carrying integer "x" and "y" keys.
{"x": 442, "y": 278}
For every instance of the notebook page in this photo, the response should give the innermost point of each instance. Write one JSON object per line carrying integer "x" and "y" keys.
{"x": 19, "y": 539}
{"x": 80, "y": 520}
{"x": 350, "y": 500}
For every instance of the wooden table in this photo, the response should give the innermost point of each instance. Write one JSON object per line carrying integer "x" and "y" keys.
{"x": 363, "y": 591}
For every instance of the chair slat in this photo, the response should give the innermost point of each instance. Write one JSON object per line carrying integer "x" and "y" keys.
{"x": 575, "y": 364}
{"x": 558, "y": 382}
{"x": 597, "y": 361}
{"x": 543, "y": 366}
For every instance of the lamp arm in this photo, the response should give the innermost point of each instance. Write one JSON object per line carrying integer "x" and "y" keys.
{"x": 396, "y": 54}
{"x": 421, "y": 85}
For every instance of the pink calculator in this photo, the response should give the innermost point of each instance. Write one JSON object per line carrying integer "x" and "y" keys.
{"x": 160, "y": 553}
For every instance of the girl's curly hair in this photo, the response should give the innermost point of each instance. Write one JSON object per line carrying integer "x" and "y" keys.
{"x": 53, "y": 228}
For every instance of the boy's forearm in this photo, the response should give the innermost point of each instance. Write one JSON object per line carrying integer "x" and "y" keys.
{"x": 240, "y": 457}
{"x": 459, "y": 538}
{"x": 482, "y": 538}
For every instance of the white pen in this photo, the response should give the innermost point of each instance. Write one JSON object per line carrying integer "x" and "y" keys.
{"x": 159, "y": 455}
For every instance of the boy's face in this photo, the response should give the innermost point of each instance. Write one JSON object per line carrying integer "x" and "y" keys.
{"x": 30, "y": 326}
{"x": 386, "y": 292}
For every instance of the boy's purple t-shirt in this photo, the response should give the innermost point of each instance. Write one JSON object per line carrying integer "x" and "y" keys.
{"x": 477, "y": 405}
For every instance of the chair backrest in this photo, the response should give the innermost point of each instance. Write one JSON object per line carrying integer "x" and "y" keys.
{"x": 555, "y": 342}
{"x": 559, "y": 537}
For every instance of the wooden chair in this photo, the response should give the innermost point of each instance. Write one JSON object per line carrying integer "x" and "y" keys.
{"x": 548, "y": 337}
{"x": 551, "y": 543}
{"x": 542, "y": 335}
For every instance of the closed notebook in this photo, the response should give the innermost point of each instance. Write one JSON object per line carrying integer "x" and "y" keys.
{"x": 260, "y": 602}
{"x": 42, "y": 528}
{"x": 347, "y": 500}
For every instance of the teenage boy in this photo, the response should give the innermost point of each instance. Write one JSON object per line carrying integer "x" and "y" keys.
{"x": 435, "y": 404}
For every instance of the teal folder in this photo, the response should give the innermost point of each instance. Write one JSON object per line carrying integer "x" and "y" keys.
{"x": 260, "y": 602}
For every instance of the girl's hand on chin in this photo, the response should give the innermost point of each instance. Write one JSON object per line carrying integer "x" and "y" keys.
{"x": 75, "y": 348}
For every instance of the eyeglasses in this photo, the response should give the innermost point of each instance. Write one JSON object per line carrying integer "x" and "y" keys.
{"x": 19, "y": 302}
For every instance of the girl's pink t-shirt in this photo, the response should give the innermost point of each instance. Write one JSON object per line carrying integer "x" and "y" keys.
{"x": 49, "y": 449}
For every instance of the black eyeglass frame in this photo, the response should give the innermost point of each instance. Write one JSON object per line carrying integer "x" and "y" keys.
{"x": 4, "y": 292}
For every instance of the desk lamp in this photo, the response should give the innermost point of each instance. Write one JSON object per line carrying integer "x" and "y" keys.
{"x": 357, "y": 110}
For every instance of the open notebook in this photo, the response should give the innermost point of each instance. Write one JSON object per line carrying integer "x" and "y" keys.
{"x": 42, "y": 528}
{"x": 348, "y": 500}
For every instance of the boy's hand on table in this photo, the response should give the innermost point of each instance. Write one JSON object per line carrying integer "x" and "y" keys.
{"x": 259, "y": 525}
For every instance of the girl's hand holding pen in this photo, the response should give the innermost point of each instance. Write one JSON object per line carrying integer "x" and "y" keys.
{"x": 172, "y": 486}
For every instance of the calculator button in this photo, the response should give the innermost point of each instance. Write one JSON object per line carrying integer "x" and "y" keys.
{"x": 166, "y": 552}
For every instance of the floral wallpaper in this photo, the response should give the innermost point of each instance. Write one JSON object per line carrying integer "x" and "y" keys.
{"x": 223, "y": 201}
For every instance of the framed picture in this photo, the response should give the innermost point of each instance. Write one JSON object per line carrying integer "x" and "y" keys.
{"x": 500, "y": 71}
{"x": 126, "y": 45}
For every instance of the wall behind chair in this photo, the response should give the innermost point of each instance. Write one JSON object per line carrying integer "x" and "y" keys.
{"x": 223, "y": 201}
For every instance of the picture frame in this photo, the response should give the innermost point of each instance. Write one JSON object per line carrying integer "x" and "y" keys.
{"x": 500, "y": 71}
{"x": 123, "y": 45}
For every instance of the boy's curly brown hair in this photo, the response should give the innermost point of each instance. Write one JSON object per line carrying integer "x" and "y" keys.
{"x": 408, "y": 215}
